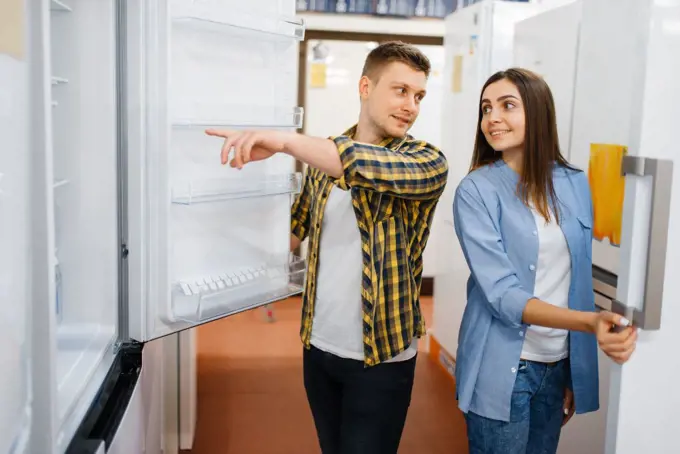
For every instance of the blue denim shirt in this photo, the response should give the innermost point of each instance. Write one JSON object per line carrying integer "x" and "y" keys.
{"x": 498, "y": 235}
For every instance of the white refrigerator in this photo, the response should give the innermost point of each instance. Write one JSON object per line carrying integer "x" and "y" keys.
{"x": 139, "y": 231}
{"x": 478, "y": 42}
{"x": 626, "y": 95}
{"x": 611, "y": 66}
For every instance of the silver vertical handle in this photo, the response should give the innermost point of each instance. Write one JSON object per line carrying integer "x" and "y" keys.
{"x": 661, "y": 172}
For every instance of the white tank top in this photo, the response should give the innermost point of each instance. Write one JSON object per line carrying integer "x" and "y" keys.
{"x": 553, "y": 278}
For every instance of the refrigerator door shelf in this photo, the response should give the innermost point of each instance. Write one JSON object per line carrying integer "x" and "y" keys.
{"x": 240, "y": 117}
{"x": 247, "y": 82}
{"x": 59, "y": 6}
{"x": 206, "y": 298}
{"x": 257, "y": 26}
{"x": 217, "y": 190}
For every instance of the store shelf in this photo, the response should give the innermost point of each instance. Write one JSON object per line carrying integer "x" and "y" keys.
{"x": 239, "y": 22}
{"x": 58, "y": 5}
{"x": 217, "y": 190}
{"x": 242, "y": 116}
{"x": 202, "y": 299}
{"x": 59, "y": 80}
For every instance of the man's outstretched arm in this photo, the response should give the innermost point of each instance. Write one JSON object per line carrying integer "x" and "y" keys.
{"x": 418, "y": 170}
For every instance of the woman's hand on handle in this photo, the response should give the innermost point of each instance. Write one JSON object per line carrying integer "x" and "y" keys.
{"x": 615, "y": 336}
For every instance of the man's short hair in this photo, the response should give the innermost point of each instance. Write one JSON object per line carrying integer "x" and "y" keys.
{"x": 395, "y": 51}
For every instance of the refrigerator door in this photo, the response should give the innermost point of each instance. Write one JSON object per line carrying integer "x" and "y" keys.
{"x": 205, "y": 240}
{"x": 15, "y": 183}
{"x": 77, "y": 252}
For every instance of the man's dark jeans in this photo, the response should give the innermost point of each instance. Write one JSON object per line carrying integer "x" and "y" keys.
{"x": 357, "y": 410}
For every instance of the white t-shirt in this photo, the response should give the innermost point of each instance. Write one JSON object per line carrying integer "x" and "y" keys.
{"x": 553, "y": 277}
{"x": 337, "y": 326}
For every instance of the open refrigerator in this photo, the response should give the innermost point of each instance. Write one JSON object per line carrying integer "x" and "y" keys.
{"x": 148, "y": 234}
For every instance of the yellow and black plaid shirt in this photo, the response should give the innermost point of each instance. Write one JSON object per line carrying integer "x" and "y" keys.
{"x": 395, "y": 188}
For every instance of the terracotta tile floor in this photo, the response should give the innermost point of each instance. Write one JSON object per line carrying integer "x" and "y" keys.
{"x": 251, "y": 397}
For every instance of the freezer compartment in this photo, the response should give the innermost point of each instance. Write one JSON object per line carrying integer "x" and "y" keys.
{"x": 239, "y": 289}
{"x": 205, "y": 191}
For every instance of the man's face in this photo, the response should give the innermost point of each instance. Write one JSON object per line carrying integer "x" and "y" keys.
{"x": 392, "y": 99}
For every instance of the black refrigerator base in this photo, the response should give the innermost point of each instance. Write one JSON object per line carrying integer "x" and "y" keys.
{"x": 104, "y": 416}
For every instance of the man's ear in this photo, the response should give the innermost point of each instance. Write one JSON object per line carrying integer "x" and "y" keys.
{"x": 365, "y": 87}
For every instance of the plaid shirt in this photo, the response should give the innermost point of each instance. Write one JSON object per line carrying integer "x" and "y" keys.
{"x": 395, "y": 188}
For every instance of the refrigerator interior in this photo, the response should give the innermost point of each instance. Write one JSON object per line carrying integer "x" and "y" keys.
{"x": 15, "y": 280}
{"x": 84, "y": 193}
{"x": 208, "y": 240}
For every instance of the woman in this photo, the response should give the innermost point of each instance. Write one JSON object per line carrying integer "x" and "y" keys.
{"x": 527, "y": 352}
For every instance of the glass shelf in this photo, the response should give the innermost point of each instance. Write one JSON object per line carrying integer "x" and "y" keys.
{"x": 216, "y": 190}
{"x": 58, "y": 80}
{"x": 205, "y": 298}
{"x": 262, "y": 117}
{"x": 216, "y": 21}
{"x": 58, "y": 5}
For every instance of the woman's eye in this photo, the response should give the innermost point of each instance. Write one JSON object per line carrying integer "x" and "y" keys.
{"x": 509, "y": 105}
{"x": 486, "y": 109}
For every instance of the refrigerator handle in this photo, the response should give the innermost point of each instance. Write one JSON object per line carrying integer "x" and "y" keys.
{"x": 661, "y": 172}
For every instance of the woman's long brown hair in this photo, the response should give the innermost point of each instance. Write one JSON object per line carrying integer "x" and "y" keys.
{"x": 541, "y": 143}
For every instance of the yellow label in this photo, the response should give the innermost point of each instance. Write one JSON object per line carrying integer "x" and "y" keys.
{"x": 607, "y": 188}
{"x": 12, "y": 28}
{"x": 457, "y": 76}
{"x": 318, "y": 75}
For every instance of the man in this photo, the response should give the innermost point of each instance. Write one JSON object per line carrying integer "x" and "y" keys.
{"x": 366, "y": 205}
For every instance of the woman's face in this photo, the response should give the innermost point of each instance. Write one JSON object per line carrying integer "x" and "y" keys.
{"x": 503, "y": 116}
